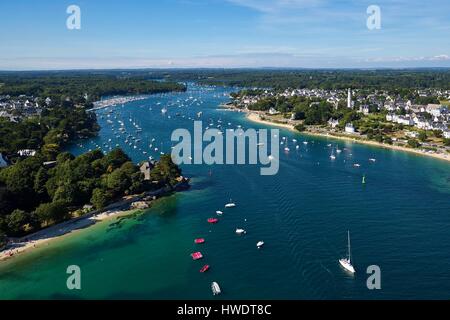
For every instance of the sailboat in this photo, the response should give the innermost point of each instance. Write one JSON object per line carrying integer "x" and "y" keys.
{"x": 346, "y": 263}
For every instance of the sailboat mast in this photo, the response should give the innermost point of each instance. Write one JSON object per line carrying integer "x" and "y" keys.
{"x": 349, "y": 250}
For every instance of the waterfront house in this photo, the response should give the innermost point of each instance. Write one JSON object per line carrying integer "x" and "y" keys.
{"x": 272, "y": 111}
{"x": 349, "y": 128}
{"x": 333, "y": 123}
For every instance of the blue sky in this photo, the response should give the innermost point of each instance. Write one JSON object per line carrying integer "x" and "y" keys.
{"x": 224, "y": 33}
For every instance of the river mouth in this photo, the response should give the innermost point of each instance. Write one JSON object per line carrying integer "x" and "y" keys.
{"x": 397, "y": 219}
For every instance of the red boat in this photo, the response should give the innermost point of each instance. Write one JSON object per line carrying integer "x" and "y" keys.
{"x": 196, "y": 255}
{"x": 205, "y": 268}
{"x": 213, "y": 220}
{"x": 199, "y": 241}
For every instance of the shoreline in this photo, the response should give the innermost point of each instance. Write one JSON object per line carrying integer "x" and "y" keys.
{"x": 59, "y": 231}
{"x": 256, "y": 117}
{"x": 70, "y": 227}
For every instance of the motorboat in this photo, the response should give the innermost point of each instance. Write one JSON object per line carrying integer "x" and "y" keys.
{"x": 199, "y": 241}
{"x": 196, "y": 255}
{"x": 204, "y": 268}
{"x": 260, "y": 244}
{"x": 240, "y": 231}
{"x": 215, "y": 288}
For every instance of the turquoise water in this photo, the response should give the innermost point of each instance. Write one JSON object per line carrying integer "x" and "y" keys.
{"x": 399, "y": 220}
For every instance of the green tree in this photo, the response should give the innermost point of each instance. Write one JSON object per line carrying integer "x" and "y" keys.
{"x": 300, "y": 127}
{"x": 413, "y": 143}
{"x": 100, "y": 198}
{"x": 54, "y": 212}
{"x": 422, "y": 136}
{"x": 16, "y": 221}
{"x": 165, "y": 172}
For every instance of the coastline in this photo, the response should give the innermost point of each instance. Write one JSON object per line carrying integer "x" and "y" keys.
{"x": 59, "y": 231}
{"x": 256, "y": 117}
{"x": 67, "y": 228}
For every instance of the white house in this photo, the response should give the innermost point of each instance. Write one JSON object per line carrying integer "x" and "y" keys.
{"x": 272, "y": 111}
{"x": 349, "y": 128}
{"x": 446, "y": 134}
{"x": 26, "y": 153}
{"x": 333, "y": 122}
{"x": 364, "y": 109}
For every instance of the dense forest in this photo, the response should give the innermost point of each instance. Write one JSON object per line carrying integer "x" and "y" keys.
{"x": 53, "y": 186}
{"x": 388, "y": 79}
{"x": 34, "y": 195}
{"x": 81, "y": 87}
{"x": 52, "y": 130}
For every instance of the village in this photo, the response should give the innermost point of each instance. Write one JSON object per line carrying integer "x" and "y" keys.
{"x": 411, "y": 122}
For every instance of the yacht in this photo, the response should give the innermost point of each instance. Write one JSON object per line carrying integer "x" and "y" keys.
{"x": 240, "y": 231}
{"x": 231, "y": 204}
{"x": 260, "y": 244}
{"x": 215, "y": 288}
{"x": 346, "y": 263}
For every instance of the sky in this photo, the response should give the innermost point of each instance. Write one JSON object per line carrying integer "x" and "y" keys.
{"x": 223, "y": 34}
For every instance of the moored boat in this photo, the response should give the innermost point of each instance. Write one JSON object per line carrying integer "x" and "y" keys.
{"x": 196, "y": 255}
{"x": 240, "y": 231}
{"x": 346, "y": 263}
{"x": 204, "y": 268}
{"x": 215, "y": 288}
{"x": 230, "y": 204}
{"x": 213, "y": 220}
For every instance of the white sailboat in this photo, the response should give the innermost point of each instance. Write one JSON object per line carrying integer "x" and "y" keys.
{"x": 346, "y": 263}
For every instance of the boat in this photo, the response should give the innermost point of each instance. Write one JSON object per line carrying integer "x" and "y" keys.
{"x": 231, "y": 204}
{"x": 357, "y": 165}
{"x": 332, "y": 157}
{"x": 219, "y": 213}
{"x": 240, "y": 231}
{"x": 364, "y": 179}
{"x": 196, "y": 255}
{"x": 372, "y": 160}
{"x": 215, "y": 288}
{"x": 199, "y": 241}
{"x": 346, "y": 263}
{"x": 338, "y": 150}
{"x": 260, "y": 244}
{"x": 213, "y": 220}
{"x": 204, "y": 268}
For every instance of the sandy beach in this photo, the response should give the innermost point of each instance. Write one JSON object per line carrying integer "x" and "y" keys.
{"x": 43, "y": 237}
{"x": 256, "y": 117}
